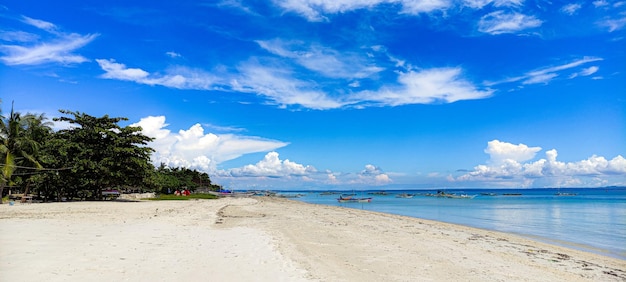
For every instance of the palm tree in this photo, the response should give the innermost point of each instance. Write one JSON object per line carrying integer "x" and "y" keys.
{"x": 16, "y": 146}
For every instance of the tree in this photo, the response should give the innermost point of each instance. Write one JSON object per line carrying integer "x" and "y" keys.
{"x": 102, "y": 154}
{"x": 17, "y": 147}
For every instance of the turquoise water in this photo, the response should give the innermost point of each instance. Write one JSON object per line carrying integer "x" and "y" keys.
{"x": 593, "y": 220}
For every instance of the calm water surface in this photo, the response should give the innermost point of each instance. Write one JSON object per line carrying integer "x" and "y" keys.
{"x": 593, "y": 220}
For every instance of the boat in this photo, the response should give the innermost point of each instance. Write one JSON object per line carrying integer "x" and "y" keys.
{"x": 565, "y": 194}
{"x": 405, "y": 195}
{"x": 350, "y": 199}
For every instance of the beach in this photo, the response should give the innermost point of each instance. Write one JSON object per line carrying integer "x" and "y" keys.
{"x": 269, "y": 239}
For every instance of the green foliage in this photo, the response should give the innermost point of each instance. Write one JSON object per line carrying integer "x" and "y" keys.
{"x": 20, "y": 141}
{"x": 168, "y": 179}
{"x": 93, "y": 154}
{"x": 102, "y": 154}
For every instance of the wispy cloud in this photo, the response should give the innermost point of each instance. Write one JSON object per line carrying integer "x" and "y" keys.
{"x": 479, "y": 4}
{"x": 571, "y": 9}
{"x": 44, "y": 25}
{"x": 613, "y": 24}
{"x": 315, "y": 10}
{"x": 177, "y": 77}
{"x": 172, "y": 54}
{"x": 438, "y": 85}
{"x": 323, "y": 60}
{"x": 57, "y": 47}
{"x": 279, "y": 85}
{"x": 500, "y": 22}
{"x": 547, "y": 74}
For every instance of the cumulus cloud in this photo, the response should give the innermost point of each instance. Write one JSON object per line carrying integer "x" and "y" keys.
{"x": 372, "y": 175}
{"x": 509, "y": 163}
{"x": 272, "y": 171}
{"x": 272, "y": 166}
{"x": 500, "y": 22}
{"x": 195, "y": 149}
{"x": 501, "y": 152}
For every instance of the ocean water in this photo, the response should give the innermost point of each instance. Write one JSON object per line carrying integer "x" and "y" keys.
{"x": 593, "y": 220}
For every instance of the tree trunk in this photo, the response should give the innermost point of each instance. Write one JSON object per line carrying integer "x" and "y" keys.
{"x": 1, "y": 190}
{"x": 26, "y": 191}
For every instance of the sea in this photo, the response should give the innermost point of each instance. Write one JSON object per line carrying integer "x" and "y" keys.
{"x": 587, "y": 219}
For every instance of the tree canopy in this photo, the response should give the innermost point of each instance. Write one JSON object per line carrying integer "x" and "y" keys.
{"x": 79, "y": 162}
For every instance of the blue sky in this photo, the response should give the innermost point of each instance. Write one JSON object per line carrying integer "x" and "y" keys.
{"x": 342, "y": 94}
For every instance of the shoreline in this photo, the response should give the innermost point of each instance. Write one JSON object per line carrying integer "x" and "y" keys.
{"x": 270, "y": 239}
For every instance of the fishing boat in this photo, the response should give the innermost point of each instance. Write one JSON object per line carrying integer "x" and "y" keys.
{"x": 405, "y": 195}
{"x": 350, "y": 199}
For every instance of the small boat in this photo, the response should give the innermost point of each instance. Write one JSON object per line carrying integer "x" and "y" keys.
{"x": 405, "y": 195}
{"x": 565, "y": 194}
{"x": 488, "y": 194}
{"x": 342, "y": 199}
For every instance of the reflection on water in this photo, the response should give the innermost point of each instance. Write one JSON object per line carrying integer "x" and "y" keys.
{"x": 593, "y": 220}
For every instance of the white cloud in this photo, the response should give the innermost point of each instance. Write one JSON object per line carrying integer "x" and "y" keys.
{"x": 172, "y": 54}
{"x": 272, "y": 166}
{"x": 278, "y": 85}
{"x": 586, "y": 71}
{"x": 195, "y": 149}
{"x": 571, "y": 8}
{"x": 314, "y": 10}
{"x": 44, "y": 25}
{"x": 58, "y": 49}
{"x": 600, "y": 3}
{"x": 501, "y": 152}
{"x": 176, "y": 77}
{"x": 546, "y": 74}
{"x": 323, "y": 60}
{"x": 371, "y": 175}
{"x": 613, "y": 24}
{"x": 479, "y": 4}
{"x": 424, "y": 6}
{"x": 508, "y": 164}
{"x": 500, "y": 22}
{"x": 18, "y": 36}
{"x": 424, "y": 87}
{"x": 589, "y": 71}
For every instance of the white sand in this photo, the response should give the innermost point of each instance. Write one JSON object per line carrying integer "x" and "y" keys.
{"x": 264, "y": 239}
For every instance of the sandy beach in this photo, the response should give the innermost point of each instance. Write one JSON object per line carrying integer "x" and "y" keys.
{"x": 267, "y": 239}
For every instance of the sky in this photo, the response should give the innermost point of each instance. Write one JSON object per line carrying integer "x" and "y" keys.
{"x": 341, "y": 94}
